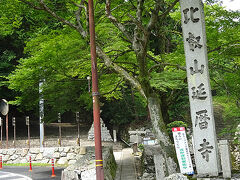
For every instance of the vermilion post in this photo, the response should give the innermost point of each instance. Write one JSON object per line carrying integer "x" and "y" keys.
{"x": 0, "y": 162}
{"x": 30, "y": 163}
{"x": 95, "y": 94}
{"x": 53, "y": 174}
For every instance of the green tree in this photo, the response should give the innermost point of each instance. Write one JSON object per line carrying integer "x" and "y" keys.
{"x": 55, "y": 59}
{"x": 137, "y": 41}
{"x": 123, "y": 50}
{"x": 224, "y": 62}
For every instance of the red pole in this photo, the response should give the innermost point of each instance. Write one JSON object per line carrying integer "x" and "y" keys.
{"x": 53, "y": 174}
{"x": 0, "y": 162}
{"x": 30, "y": 163}
{"x": 95, "y": 94}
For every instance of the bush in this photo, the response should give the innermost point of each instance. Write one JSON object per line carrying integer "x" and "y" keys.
{"x": 175, "y": 124}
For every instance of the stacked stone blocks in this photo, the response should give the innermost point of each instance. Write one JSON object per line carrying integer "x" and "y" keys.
{"x": 105, "y": 134}
{"x": 61, "y": 155}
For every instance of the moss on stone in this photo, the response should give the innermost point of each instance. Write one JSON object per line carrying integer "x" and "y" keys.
{"x": 110, "y": 165}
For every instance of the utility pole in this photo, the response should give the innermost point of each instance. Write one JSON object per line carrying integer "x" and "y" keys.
{"x": 78, "y": 121}
{"x": 41, "y": 114}
{"x": 7, "y": 131}
{"x": 28, "y": 127}
{"x": 4, "y": 108}
{"x": 95, "y": 95}
{"x": 14, "y": 131}
{"x": 1, "y": 122}
{"x": 60, "y": 130}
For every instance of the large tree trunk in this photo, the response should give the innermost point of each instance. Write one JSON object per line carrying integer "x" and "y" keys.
{"x": 168, "y": 155}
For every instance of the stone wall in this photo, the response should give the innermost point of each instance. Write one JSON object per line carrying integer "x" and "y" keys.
{"x": 61, "y": 155}
{"x": 85, "y": 167}
{"x": 80, "y": 160}
{"x": 149, "y": 172}
{"x": 52, "y": 142}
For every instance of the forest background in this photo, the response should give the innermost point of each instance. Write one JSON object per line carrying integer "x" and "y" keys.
{"x": 140, "y": 60}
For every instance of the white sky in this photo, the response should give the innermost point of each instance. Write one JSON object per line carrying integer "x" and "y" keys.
{"x": 232, "y": 4}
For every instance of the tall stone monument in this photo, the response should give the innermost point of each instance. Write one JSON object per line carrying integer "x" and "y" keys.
{"x": 204, "y": 133}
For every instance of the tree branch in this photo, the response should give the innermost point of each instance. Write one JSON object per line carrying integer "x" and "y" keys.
{"x": 166, "y": 64}
{"x": 77, "y": 15}
{"x": 48, "y": 10}
{"x": 138, "y": 23}
{"x": 117, "y": 7}
{"x": 139, "y": 10}
{"x": 153, "y": 59}
{"x": 78, "y": 5}
{"x": 222, "y": 46}
{"x": 223, "y": 68}
{"x": 118, "y": 69}
{"x": 132, "y": 4}
{"x": 44, "y": 7}
{"x": 32, "y": 5}
{"x": 121, "y": 53}
{"x": 154, "y": 15}
{"x": 163, "y": 15}
{"x": 119, "y": 82}
{"x": 115, "y": 21}
{"x": 122, "y": 62}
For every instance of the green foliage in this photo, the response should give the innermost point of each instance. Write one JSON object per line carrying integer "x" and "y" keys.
{"x": 124, "y": 111}
{"x": 231, "y": 113}
{"x": 57, "y": 59}
{"x": 5, "y": 59}
{"x": 108, "y": 87}
{"x": 57, "y": 54}
{"x": 168, "y": 80}
{"x": 222, "y": 28}
{"x": 9, "y": 17}
{"x": 141, "y": 147}
{"x": 180, "y": 109}
{"x": 223, "y": 39}
{"x": 175, "y": 124}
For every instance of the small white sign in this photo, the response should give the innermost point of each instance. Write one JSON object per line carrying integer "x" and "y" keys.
{"x": 182, "y": 150}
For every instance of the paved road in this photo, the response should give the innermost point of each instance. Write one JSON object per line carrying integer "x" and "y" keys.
{"x": 23, "y": 173}
{"x": 126, "y": 166}
{"x": 8, "y": 175}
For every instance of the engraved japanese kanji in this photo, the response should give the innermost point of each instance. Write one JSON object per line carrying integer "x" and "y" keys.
{"x": 192, "y": 11}
{"x": 199, "y": 92}
{"x": 193, "y": 41}
{"x": 205, "y": 150}
{"x": 194, "y": 69}
{"x": 202, "y": 119}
